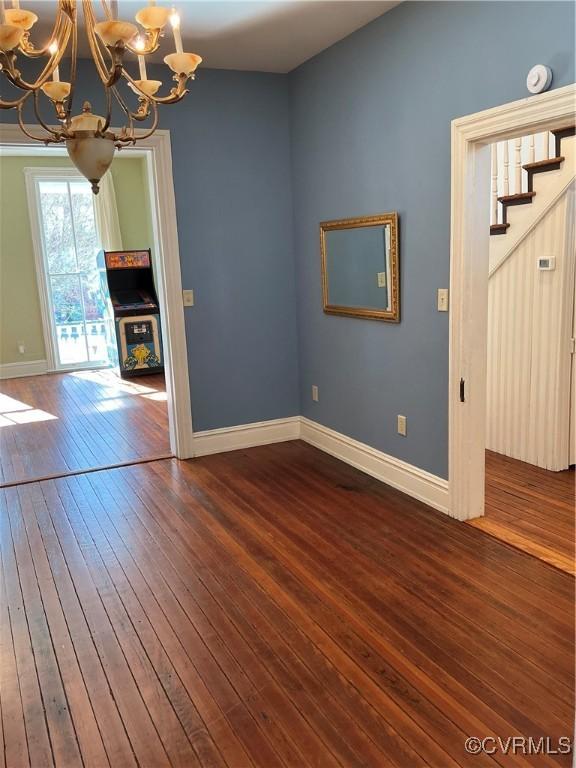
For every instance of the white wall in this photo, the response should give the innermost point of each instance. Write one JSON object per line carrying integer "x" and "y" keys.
{"x": 529, "y": 331}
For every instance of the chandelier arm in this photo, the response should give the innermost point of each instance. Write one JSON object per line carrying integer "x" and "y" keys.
{"x": 107, "y": 11}
{"x": 152, "y": 40}
{"x": 133, "y": 138}
{"x": 15, "y": 104}
{"x": 128, "y": 131}
{"x": 4, "y": 104}
{"x": 73, "y": 68}
{"x": 27, "y": 48}
{"x": 41, "y": 121}
{"x": 125, "y": 108}
{"x": 94, "y": 49}
{"x": 26, "y": 132}
{"x": 154, "y": 125}
{"x": 108, "y": 76}
{"x": 176, "y": 94}
{"x": 14, "y": 75}
{"x": 106, "y": 125}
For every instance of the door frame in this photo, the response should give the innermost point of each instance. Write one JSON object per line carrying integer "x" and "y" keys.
{"x": 472, "y": 136}
{"x": 158, "y": 153}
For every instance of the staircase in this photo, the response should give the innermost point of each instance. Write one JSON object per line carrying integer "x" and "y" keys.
{"x": 532, "y": 155}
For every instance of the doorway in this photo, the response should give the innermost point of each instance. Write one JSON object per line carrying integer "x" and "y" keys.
{"x": 471, "y": 169}
{"x": 80, "y": 338}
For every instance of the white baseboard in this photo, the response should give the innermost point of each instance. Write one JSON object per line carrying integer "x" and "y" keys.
{"x": 246, "y": 436}
{"x": 415, "y": 482}
{"x": 17, "y": 370}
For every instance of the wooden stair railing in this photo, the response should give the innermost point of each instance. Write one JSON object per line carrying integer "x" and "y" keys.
{"x": 501, "y": 180}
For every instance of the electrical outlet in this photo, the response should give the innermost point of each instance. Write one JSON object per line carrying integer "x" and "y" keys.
{"x": 21, "y": 348}
{"x": 315, "y": 393}
{"x": 381, "y": 279}
{"x": 402, "y": 425}
{"x": 442, "y": 299}
{"x": 188, "y": 298}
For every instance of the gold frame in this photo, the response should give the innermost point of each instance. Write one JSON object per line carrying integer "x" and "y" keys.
{"x": 391, "y": 315}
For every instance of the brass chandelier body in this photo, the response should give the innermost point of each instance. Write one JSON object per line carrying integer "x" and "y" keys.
{"x": 89, "y": 139}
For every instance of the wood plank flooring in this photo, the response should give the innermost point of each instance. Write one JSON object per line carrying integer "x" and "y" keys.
{"x": 531, "y": 508}
{"x": 59, "y": 423}
{"x": 268, "y": 607}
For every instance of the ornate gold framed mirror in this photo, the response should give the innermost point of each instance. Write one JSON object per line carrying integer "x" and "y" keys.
{"x": 360, "y": 267}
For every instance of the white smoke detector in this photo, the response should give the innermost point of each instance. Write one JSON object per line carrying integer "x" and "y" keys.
{"x": 539, "y": 78}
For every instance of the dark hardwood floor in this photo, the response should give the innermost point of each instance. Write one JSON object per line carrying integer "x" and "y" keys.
{"x": 59, "y": 423}
{"x": 268, "y": 607}
{"x": 531, "y": 508}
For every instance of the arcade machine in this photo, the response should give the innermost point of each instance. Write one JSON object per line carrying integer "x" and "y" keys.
{"x": 136, "y": 312}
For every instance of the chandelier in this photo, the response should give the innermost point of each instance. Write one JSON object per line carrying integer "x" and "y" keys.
{"x": 89, "y": 139}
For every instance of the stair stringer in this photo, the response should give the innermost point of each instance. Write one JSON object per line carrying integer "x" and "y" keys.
{"x": 549, "y": 187}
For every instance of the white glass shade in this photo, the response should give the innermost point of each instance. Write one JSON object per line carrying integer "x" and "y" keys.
{"x": 112, "y": 32}
{"x": 10, "y": 36}
{"x": 92, "y": 156}
{"x": 19, "y": 18}
{"x": 149, "y": 87}
{"x": 153, "y": 17}
{"x": 183, "y": 63}
{"x": 57, "y": 91}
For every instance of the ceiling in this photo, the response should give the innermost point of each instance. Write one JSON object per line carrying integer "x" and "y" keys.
{"x": 270, "y": 36}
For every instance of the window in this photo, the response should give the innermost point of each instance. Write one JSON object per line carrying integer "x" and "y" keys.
{"x": 76, "y": 301}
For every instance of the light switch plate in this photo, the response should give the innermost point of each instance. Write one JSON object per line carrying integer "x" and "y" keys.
{"x": 315, "y": 393}
{"x": 442, "y": 299}
{"x": 188, "y": 298}
{"x": 381, "y": 279}
{"x": 402, "y": 425}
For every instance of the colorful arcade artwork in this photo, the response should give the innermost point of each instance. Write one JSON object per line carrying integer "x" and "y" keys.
{"x": 136, "y": 312}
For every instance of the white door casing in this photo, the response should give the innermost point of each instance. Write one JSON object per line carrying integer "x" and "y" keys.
{"x": 469, "y": 259}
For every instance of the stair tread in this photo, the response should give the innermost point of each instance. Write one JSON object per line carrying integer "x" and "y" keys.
{"x": 520, "y": 197}
{"x": 499, "y": 229}
{"x": 539, "y": 164}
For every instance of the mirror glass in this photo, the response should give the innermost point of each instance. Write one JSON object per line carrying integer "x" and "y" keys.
{"x": 360, "y": 267}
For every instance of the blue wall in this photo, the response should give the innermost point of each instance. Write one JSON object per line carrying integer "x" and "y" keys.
{"x": 231, "y": 151}
{"x": 231, "y": 157}
{"x": 371, "y": 133}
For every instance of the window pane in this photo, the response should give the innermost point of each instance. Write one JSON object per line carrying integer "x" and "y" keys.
{"x": 68, "y": 319}
{"x": 99, "y": 328}
{"x": 87, "y": 245}
{"x": 57, "y": 224}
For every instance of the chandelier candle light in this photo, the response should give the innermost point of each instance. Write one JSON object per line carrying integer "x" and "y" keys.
{"x": 89, "y": 140}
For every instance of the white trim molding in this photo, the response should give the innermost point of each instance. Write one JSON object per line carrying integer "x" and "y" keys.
{"x": 18, "y": 370}
{"x": 415, "y": 482}
{"x": 246, "y": 436}
{"x": 469, "y": 261}
{"x": 158, "y": 153}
